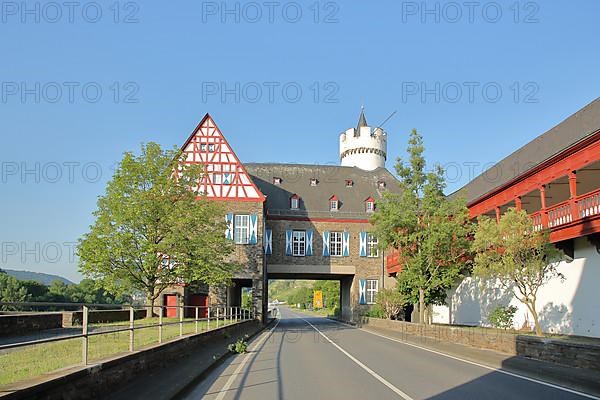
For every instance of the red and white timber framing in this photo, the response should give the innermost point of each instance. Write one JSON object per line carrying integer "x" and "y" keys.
{"x": 224, "y": 178}
{"x": 578, "y": 216}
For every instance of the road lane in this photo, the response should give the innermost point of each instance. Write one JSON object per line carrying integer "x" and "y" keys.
{"x": 309, "y": 357}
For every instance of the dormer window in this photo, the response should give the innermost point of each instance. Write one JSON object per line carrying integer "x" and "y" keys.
{"x": 276, "y": 180}
{"x": 349, "y": 183}
{"x": 313, "y": 181}
{"x": 370, "y": 205}
{"x": 295, "y": 202}
{"x": 333, "y": 203}
{"x": 381, "y": 184}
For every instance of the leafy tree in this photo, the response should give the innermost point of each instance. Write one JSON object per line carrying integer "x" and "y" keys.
{"x": 391, "y": 302}
{"x": 512, "y": 253}
{"x": 302, "y": 296}
{"x": 430, "y": 231}
{"x": 502, "y": 317}
{"x": 11, "y": 290}
{"x": 36, "y": 290}
{"x": 153, "y": 230}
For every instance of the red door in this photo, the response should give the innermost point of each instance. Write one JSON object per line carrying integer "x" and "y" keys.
{"x": 197, "y": 300}
{"x": 171, "y": 302}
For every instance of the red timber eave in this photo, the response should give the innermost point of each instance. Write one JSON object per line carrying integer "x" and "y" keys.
{"x": 309, "y": 219}
{"x": 573, "y": 158}
{"x": 567, "y": 220}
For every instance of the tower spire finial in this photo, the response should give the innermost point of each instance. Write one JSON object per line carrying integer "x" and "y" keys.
{"x": 362, "y": 121}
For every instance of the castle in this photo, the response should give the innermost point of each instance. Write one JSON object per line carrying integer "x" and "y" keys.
{"x": 294, "y": 221}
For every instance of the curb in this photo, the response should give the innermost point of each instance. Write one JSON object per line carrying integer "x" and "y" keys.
{"x": 216, "y": 363}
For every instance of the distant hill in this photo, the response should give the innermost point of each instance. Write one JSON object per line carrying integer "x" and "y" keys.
{"x": 44, "y": 279}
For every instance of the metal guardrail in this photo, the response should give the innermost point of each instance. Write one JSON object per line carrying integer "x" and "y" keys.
{"x": 217, "y": 315}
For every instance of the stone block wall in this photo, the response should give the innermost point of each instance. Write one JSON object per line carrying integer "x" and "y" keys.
{"x": 25, "y": 323}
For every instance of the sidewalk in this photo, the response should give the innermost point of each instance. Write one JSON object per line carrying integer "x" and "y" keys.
{"x": 583, "y": 380}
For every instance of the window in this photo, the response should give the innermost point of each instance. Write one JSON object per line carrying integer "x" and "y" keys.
{"x": 294, "y": 203}
{"x": 313, "y": 181}
{"x": 335, "y": 244}
{"x": 298, "y": 243}
{"x": 276, "y": 180}
{"x": 381, "y": 184}
{"x": 211, "y": 148}
{"x": 370, "y": 206}
{"x": 372, "y": 289}
{"x": 333, "y": 205}
{"x": 203, "y": 147}
{"x": 349, "y": 183}
{"x": 241, "y": 229}
{"x": 372, "y": 250}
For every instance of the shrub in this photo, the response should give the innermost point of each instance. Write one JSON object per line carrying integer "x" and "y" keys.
{"x": 240, "y": 346}
{"x": 390, "y": 302}
{"x": 502, "y": 317}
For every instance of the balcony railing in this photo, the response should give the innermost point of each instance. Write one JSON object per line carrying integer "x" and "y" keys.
{"x": 583, "y": 206}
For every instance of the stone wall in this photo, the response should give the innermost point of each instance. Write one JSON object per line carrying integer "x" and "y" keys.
{"x": 578, "y": 355}
{"x": 98, "y": 380}
{"x": 25, "y": 323}
{"x": 75, "y": 318}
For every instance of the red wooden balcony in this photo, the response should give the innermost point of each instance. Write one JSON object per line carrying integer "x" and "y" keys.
{"x": 568, "y": 214}
{"x": 393, "y": 262}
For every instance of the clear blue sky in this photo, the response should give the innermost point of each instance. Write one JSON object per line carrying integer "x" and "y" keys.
{"x": 177, "y": 54}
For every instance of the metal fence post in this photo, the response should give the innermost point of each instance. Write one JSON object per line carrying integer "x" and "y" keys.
{"x": 237, "y": 310}
{"x": 217, "y": 317}
{"x": 208, "y": 320}
{"x": 196, "y": 323}
{"x": 160, "y": 317}
{"x": 230, "y": 314}
{"x": 181, "y": 321}
{"x": 131, "y": 319}
{"x": 84, "y": 348}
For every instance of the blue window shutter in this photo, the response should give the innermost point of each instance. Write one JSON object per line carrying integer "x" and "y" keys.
{"x": 229, "y": 230}
{"x": 253, "y": 228}
{"x": 346, "y": 244}
{"x": 309, "y": 242}
{"x": 363, "y": 244}
{"x": 325, "y": 243}
{"x": 268, "y": 241}
{"x": 362, "y": 291}
{"x": 288, "y": 242}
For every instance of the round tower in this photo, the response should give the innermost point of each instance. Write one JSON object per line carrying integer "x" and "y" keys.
{"x": 363, "y": 147}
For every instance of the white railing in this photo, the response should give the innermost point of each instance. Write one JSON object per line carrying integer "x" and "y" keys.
{"x": 191, "y": 320}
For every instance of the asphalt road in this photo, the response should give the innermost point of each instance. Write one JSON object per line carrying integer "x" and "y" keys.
{"x": 303, "y": 357}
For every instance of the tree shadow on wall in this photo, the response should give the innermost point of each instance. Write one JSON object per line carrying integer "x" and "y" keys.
{"x": 472, "y": 303}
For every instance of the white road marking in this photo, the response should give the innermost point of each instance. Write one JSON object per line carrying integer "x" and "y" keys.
{"x": 229, "y": 383}
{"x": 374, "y": 374}
{"x": 502, "y": 371}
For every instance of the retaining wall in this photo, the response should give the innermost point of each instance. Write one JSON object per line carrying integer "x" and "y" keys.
{"x": 98, "y": 380}
{"x": 578, "y": 355}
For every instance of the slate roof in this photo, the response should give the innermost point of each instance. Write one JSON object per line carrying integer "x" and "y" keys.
{"x": 572, "y": 130}
{"x": 314, "y": 200}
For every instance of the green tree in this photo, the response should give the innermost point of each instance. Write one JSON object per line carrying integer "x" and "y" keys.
{"x": 36, "y": 290}
{"x": 430, "y": 230}
{"x": 152, "y": 229}
{"x": 11, "y": 290}
{"x": 512, "y": 253}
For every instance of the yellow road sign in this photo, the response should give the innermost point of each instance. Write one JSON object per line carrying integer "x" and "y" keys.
{"x": 318, "y": 299}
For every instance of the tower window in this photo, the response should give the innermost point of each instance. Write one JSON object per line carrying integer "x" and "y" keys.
{"x": 276, "y": 180}
{"x": 381, "y": 184}
{"x": 313, "y": 181}
{"x": 349, "y": 183}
